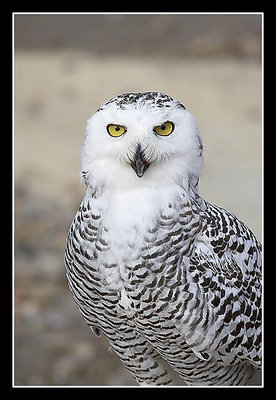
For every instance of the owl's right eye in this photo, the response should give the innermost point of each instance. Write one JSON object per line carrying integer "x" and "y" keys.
{"x": 115, "y": 130}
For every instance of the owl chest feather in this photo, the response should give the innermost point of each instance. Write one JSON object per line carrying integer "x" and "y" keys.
{"x": 126, "y": 220}
{"x": 128, "y": 254}
{"x": 141, "y": 241}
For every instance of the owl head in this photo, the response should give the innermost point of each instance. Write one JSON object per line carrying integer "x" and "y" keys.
{"x": 141, "y": 139}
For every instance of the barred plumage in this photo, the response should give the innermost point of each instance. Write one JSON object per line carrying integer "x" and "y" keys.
{"x": 168, "y": 278}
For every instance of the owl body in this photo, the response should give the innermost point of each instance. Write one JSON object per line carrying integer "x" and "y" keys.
{"x": 172, "y": 281}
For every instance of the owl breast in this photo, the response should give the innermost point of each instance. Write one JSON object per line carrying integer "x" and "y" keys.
{"x": 126, "y": 257}
{"x": 127, "y": 240}
{"x": 127, "y": 234}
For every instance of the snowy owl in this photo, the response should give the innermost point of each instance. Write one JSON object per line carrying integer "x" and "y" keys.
{"x": 172, "y": 281}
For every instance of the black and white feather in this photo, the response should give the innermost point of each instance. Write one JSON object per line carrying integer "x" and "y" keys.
{"x": 171, "y": 280}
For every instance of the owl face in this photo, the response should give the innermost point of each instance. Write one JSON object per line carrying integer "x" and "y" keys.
{"x": 141, "y": 136}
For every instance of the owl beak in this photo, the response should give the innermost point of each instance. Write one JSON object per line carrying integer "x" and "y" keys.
{"x": 139, "y": 164}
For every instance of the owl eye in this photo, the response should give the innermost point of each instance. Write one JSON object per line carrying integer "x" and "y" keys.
{"x": 115, "y": 130}
{"x": 164, "y": 129}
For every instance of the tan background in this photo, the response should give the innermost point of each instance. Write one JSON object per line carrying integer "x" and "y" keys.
{"x": 65, "y": 66}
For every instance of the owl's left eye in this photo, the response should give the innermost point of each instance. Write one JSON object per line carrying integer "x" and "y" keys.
{"x": 115, "y": 130}
{"x": 164, "y": 129}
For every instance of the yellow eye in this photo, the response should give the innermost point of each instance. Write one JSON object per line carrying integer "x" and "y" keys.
{"x": 115, "y": 130}
{"x": 164, "y": 129}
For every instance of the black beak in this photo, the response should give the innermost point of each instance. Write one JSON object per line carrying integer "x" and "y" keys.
{"x": 139, "y": 164}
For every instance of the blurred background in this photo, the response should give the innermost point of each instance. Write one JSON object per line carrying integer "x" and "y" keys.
{"x": 65, "y": 67}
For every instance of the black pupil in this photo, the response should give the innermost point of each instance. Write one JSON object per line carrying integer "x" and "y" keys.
{"x": 163, "y": 127}
{"x": 117, "y": 128}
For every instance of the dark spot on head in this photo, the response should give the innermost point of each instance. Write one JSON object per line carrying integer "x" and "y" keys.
{"x": 156, "y": 99}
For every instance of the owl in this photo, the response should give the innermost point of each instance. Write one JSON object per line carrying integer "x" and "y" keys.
{"x": 172, "y": 281}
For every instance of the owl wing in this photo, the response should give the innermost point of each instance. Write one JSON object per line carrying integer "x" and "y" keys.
{"x": 223, "y": 317}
